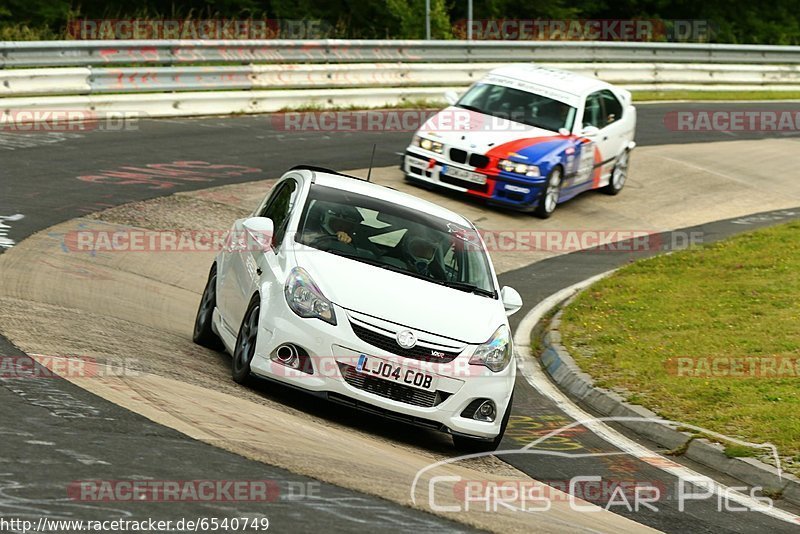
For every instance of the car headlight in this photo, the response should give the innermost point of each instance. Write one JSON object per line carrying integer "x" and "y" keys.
{"x": 305, "y": 299}
{"x": 518, "y": 168}
{"x": 495, "y": 353}
{"x": 428, "y": 144}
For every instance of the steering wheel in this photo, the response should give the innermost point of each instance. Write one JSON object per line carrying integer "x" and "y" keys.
{"x": 326, "y": 238}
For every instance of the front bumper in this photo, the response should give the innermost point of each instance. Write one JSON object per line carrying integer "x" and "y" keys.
{"x": 501, "y": 188}
{"x": 331, "y": 347}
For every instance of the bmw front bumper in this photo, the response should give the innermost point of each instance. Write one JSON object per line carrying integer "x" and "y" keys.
{"x": 501, "y": 189}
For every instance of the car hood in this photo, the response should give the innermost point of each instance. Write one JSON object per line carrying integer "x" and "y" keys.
{"x": 402, "y": 299}
{"x": 478, "y": 132}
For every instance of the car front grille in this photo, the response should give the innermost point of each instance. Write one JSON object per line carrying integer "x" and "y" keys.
{"x": 390, "y": 389}
{"x": 457, "y": 155}
{"x": 478, "y": 160}
{"x": 388, "y": 343}
{"x": 462, "y": 156}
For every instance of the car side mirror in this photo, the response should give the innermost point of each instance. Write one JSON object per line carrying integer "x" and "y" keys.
{"x": 258, "y": 232}
{"x": 590, "y": 131}
{"x": 451, "y": 97}
{"x": 512, "y": 301}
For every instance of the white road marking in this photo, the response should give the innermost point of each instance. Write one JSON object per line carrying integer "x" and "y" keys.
{"x": 536, "y": 377}
{"x": 5, "y": 241}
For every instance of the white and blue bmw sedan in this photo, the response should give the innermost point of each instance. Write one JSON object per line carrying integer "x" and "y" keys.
{"x": 369, "y": 297}
{"x": 527, "y": 138}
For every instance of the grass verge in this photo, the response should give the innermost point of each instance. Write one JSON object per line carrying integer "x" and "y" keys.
{"x": 658, "y": 328}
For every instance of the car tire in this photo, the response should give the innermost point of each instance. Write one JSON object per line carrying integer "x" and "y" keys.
{"x": 619, "y": 175}
{"x": 245, "y": 347}
{"x": 203, "y": 333}
{"x": 473, "y": 445}
{"x": 549, "y": 201}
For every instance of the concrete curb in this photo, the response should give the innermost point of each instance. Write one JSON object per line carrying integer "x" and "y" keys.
{"x": 563, "y": 370}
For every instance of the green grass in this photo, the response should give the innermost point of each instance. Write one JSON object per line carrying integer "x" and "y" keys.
{"x": 643, "y": 96}
{"x": 734, "y": 450}
{"x": 736, "y": 298}
{"x": 23, "y": 32}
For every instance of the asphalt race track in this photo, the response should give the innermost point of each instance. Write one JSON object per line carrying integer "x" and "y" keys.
{"x": 70, "y": 435}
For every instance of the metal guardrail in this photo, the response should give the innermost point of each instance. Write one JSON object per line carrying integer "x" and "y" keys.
{"x": 174, "y": 78}
{"x": 147, "y": 79}
{"x": 85, "y": 53}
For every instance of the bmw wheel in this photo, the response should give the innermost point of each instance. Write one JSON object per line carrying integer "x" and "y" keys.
{"x": 619, "y": 175}
{"x": 246, "y": 342}
{"x": 203, "y": 330}
{"x": 549, "y": 201}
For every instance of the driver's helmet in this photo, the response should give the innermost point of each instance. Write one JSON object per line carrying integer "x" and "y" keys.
{"x": 335, "y": 219}
{"x": 421, "y": 247}
{"x": 516, "y": 105}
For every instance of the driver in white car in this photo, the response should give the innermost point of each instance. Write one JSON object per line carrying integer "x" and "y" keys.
{"x": 337, "y": 224}
{"x": 421, "y": 250}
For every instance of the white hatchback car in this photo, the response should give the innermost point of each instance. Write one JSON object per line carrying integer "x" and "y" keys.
{"x": 369, "y": 297}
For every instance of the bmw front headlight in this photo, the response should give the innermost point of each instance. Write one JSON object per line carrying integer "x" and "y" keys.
{"x": 495, "y": 353}
{"x": 305, "y": 298}
{"x": 519, "y": 168}
{"x": 428, "y": 144}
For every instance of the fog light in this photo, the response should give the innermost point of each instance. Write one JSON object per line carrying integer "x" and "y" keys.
{"x": 287, "y": 355}
{"x": 486, "y": 411}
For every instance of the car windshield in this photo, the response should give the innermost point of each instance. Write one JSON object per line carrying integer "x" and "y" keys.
{"x": 519, "y": 106}
{"x": 396, "y": 238}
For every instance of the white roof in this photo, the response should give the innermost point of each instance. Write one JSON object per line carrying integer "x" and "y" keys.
{"x": 387, "y": 194}
{"x": 569, "y": 83}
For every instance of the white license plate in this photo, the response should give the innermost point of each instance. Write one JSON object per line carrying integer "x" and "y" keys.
{"x": 462, "y": 174}
{"x": 369, "y": 365}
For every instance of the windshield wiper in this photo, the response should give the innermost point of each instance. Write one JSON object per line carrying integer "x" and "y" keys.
{"x": 370, "y": 261}
{"x": 463, "y": 286}
{"x": 341, "y": 253}
{"x": 471, "y": 108}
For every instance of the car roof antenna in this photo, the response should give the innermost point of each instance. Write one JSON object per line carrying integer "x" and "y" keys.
{"x": 371, "y": 160}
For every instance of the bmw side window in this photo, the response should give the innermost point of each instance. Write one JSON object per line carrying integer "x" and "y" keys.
{"x": 612, "y": 109}
{"x": 278, "y": 209}
{"x": 593, "y": 112}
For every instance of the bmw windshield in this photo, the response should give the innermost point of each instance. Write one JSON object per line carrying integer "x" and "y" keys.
{"x": 396, "y": 238}
{"x": 518, "y": 106}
